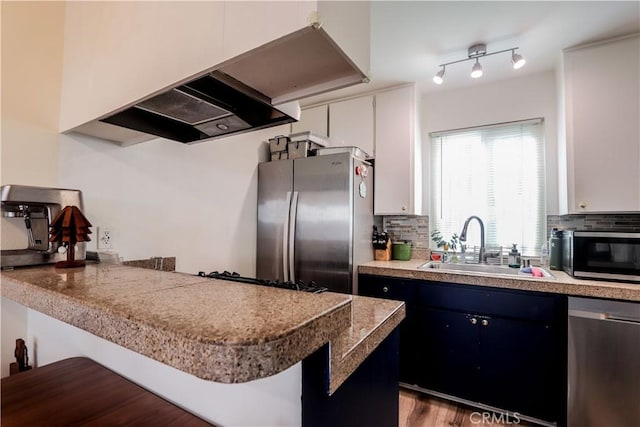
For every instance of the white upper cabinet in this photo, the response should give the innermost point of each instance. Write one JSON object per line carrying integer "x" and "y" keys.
{"x": 398, "y": 184}
{"x": 349, "y": 24}
{"x": 246, "y": 25}
{"x": 602, "y": 112}
{"x": 139, "y": 48}
{"x": 314, "y": 120}
{"x": 351, "y": 123}
{"x": 120, "y": 53}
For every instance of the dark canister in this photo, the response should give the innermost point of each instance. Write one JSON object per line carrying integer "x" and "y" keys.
{"x": 555, "y": 250}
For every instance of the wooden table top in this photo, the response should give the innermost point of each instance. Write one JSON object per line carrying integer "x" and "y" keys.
{"x": 80, "y": 392}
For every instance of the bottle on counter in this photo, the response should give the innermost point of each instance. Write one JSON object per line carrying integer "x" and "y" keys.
{"x": 544, "y": 255}
{"x": 514, "y": 257}
{"x": 555, "y": 250}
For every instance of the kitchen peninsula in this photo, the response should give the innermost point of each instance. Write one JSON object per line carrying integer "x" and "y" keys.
{"x": 232, "y": 353}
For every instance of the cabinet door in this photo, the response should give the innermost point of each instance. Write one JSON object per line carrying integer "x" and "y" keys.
{"x": 401, "y": 290}
{"x": 603, "y": 137}
{"x": 246, "y": 26}
{"x": 313, "y": 119}
{"x": 519, "y": 368}
{"x": 449, "y": 352}
{"x": 508, "y": 352}
{"x": 397, "y": 179}
{"x": 127, "y": 52}
{"x": 351, "y": 123}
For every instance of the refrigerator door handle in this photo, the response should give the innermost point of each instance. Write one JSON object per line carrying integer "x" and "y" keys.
{"x": 292, "y": 235}
{"x": 285, "y": 240}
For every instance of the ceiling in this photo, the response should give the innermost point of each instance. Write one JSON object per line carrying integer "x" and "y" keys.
{"x": 409, "y": 39}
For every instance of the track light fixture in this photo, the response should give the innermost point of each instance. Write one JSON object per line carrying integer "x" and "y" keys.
{"x": 476, "y": 52}
{"x": 439, "y": 77}
{"x": 476, "y": 70}
{"x": 517, "y": 60}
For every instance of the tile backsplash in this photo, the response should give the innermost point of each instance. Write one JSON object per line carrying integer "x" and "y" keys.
{"x": 416, "y": 228}
{"x": 604, "y": 222}
{"x": 411, "y": 228}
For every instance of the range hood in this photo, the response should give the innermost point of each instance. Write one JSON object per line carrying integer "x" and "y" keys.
{"x": 211, "y": 106}
{"x": 255, "y": 90}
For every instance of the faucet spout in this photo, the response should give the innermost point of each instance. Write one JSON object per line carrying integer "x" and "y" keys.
{"x": 463, "y": 236}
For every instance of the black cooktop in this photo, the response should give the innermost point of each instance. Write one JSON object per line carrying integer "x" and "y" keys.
{"x": 298, "y": 285}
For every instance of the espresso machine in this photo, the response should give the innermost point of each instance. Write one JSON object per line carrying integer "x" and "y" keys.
{"x": 27, "y": 212}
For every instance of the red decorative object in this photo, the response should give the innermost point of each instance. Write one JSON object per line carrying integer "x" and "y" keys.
{"x": 68, "y": 228}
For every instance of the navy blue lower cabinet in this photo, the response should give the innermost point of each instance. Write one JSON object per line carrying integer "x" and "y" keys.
{"x": 450, "y": 361}
{"x": 400, "y": 290}
{"x": 499, "y": 347}
{"x": 518, "y": 371}
{"x": 369, "y": 397}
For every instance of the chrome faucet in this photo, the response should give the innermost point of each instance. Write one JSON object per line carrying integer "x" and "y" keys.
{"x": 463, "y": 236}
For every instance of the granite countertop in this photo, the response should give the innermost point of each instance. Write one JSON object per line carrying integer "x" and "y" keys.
{"x": 214, "y": 329}
{"x": 355, "y": 343}
{"x": 562, "y": 284}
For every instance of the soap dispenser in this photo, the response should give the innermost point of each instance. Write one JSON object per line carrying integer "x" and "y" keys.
{"x": 514, "y": 257}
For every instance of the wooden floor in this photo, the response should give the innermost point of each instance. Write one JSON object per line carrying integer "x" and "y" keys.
{"x": 419, "y": 410}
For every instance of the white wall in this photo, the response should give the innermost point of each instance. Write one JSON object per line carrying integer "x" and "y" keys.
{"x": 519, "y": 98}
{"x": 32, "y": 37}
{"x": 162, "y": 198}
{"x": 32, "y": 41}
{"x": 14, "y": 326}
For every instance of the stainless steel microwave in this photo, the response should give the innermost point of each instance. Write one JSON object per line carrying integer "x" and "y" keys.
{"x": 604, "y": 255}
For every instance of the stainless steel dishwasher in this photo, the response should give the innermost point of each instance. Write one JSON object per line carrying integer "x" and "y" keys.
{"x": 604, "y": 363}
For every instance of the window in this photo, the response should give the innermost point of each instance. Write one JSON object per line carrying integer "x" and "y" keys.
{"x": 497, "y": 173}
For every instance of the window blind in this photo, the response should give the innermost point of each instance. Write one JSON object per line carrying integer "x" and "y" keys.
{"x": 496, "y": 172}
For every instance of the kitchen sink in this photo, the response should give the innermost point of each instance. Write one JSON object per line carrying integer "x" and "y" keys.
{"x": 483, "y": 269}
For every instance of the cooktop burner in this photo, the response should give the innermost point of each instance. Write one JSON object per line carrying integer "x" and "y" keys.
{"x": 298, "y": 285}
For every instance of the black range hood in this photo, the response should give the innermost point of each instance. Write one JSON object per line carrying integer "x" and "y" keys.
{"x": 208, "y": 107}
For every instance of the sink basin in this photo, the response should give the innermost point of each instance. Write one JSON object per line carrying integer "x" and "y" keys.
{"x": 483, "y": 269}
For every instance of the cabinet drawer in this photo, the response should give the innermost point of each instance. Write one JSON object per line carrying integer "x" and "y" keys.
{"x": 491, "y": 301}
{"x": 386, "y": 287}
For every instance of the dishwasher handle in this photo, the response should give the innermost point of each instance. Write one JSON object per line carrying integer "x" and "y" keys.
{"x": 603, "y": 316}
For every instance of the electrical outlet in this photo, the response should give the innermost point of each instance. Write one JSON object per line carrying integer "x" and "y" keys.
{"x": 105, "y": 238}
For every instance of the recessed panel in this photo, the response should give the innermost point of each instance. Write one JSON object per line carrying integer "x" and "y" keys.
{"x": 182, "y": 106}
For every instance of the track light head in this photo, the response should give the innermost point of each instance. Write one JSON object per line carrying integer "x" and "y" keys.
{"x": 439, "y": 77}
{"x": 517, "y": 60}
{"x": 476, "y": 71}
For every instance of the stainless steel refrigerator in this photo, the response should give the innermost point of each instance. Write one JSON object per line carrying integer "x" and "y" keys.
{"x": 315, "y": 219}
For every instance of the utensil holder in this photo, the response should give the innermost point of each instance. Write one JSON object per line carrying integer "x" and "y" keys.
{"x": 383, "y": 254}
